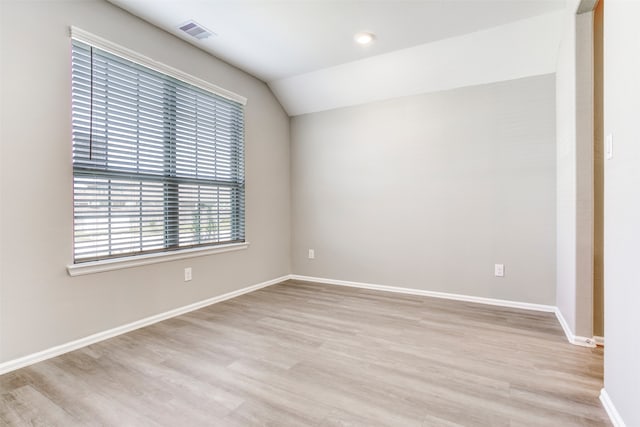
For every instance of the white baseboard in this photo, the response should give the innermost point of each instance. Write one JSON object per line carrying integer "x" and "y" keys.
{"x": 571, "y": 337}
{"x": 30, "y": 359}
{"x": 434, "y": 294}
{"x": 599, "y": 340}
{"x": 613, "y": 413}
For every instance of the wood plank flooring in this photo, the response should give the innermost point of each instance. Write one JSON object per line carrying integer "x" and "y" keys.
{"x": 299, "y": 354}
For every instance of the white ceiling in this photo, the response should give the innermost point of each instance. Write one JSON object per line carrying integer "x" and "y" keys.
{"x": 524, "y": 48}
{"x": 278, "y": 40}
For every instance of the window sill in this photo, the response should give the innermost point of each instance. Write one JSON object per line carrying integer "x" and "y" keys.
{"x": 136, "y": 261}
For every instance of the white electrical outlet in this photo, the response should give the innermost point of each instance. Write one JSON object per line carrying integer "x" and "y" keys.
{"x": 498, "y": 270}
{"x": 312, "y": 254}
{"x": 187, "y": 274}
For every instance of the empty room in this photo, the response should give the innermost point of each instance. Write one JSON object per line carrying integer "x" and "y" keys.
{"x": 319, "y": 213}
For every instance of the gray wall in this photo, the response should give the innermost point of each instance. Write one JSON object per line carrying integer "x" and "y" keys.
{"x": 584, "y": 180}
{"x": 40, "y": 305}
{"x": 566, "y": 169}
{"x": 584, "y": 175}
{"x": 622, "y": 207}
{"x": 575, "y": 179}
{"x": 430, "y": 191}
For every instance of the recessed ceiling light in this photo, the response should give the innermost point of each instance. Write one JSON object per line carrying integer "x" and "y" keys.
{"x": 364, "y": 37}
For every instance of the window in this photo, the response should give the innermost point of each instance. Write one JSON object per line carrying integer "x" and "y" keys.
{"x": 158, "y": 163}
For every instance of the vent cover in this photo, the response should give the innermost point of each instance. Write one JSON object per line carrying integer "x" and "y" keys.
{"x": 196, "y": 30}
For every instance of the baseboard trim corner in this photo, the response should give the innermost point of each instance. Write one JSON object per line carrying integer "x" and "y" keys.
{"x": 613, "y": 413}
{"x": 434, "y": 294}
{"x": 571, "y": 337}
{"x": 58, "y": 350}
{"x": 599, "y": 340}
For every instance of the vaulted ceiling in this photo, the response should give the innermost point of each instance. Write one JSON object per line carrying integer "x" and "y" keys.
{"x": 304, "y": 49}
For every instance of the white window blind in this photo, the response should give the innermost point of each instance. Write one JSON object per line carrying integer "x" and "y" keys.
{"x": 158, "y": 163}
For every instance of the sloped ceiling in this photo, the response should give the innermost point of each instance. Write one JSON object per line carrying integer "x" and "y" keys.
{"x": 304, "y": 49}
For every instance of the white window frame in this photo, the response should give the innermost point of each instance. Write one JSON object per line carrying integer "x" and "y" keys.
{"x": 165, "y": 256}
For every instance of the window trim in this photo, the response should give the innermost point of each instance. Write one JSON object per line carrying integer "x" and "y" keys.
{"x": 91, "y": 267}
{"x": 117, "y": 263}
{"x": 115, "y": 49}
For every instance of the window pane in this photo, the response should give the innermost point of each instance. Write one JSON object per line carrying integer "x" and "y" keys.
{"x": 205, "y": 214}
{"x": 158, "y": 163}
{"x": 116, "y": 216}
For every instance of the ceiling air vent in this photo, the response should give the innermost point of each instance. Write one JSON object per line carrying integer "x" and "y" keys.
{"x": 195, "y": 30}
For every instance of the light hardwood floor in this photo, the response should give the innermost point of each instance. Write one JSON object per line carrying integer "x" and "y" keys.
{"x": 299, "y": 354}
